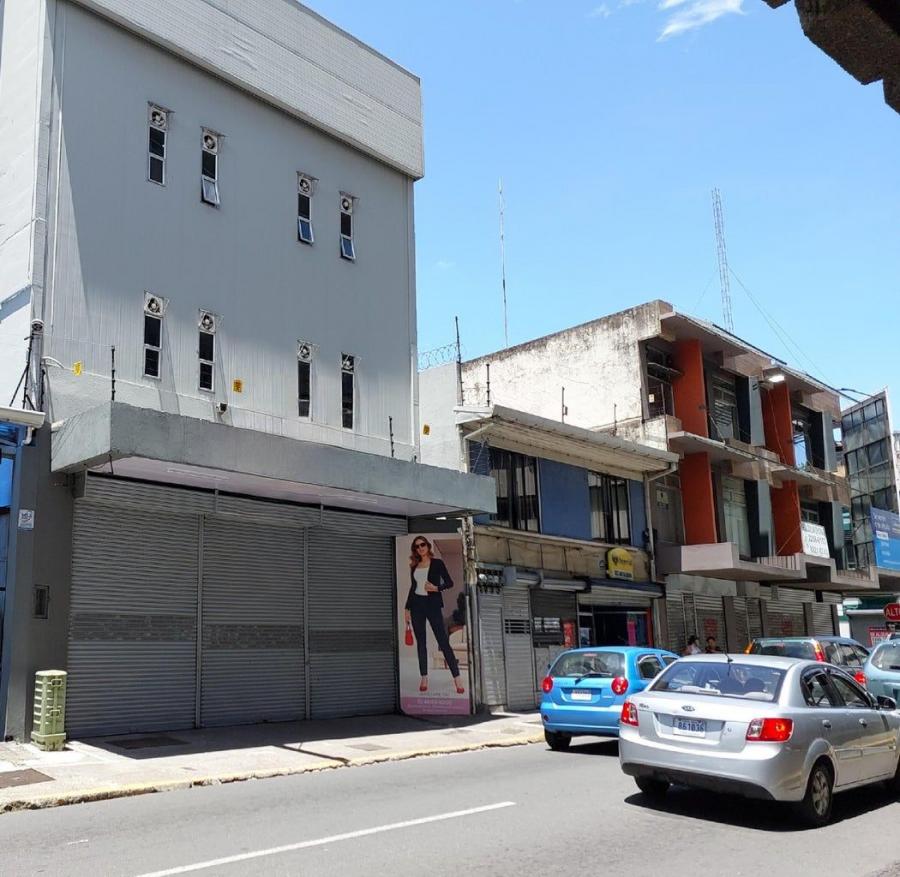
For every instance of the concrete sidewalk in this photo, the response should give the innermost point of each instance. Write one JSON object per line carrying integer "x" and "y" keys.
{"x": 113, "y": 767}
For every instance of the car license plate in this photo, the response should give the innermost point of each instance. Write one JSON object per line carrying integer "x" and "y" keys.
{"x": 689, "y": 727}
{"x": 581, "y": 695}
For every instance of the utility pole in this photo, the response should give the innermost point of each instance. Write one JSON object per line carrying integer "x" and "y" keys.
{"x": 723, "y": 260}
{"x": 503, "y": 268}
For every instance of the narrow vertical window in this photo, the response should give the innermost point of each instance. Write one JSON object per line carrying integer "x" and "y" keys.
{"x": 209, "y": 168}
{"x": 305, "y": 185}
{"x": 348, "y": 249}
{"x": 156, "y": 149}
{"x": 206, "y": 350}
{"x": 348, "y": 371}
{"x": 154, "y": 308}
{"x": 304, "y": 379}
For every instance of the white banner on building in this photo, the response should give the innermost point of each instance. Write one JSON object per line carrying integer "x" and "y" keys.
{"x": 815, "y": 540}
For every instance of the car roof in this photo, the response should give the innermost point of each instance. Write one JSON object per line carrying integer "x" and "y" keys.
{"x": 827, "y": 638}
{"x": 778, "y": 661}
{"x": 628, "y": 650}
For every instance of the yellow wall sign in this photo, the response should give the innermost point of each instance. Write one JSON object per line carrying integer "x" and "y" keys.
{"x": 619, "y": 564}
{"x": 237, "y": 386}
{"x": 78, "y": 368}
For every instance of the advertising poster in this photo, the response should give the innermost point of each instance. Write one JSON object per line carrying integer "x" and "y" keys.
{"x": 886, "y": 529}
{"x": 432, "y": 625}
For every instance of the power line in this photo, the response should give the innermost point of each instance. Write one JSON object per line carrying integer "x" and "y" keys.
{"x": 503, "y": 268}
{"x": 719, "y": 220}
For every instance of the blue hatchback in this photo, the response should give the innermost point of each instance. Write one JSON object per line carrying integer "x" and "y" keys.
{"x": 882, "y": 670}
{"x": 585, "y": 688}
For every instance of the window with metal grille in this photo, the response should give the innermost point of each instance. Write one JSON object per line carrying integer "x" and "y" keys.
{"x": 348, "y": 248}
{"x": 609, "y": 509}
{"x": 209, "y": 168}
{"x": 516, "y": 482}
{"x": 304, "y": 379}
{"x": 207, "y": 356}
{"x": 156, "y": 148}
{"x": 304, "y": 208}
{"x": 348, "y": 373}
{"x": 661, "y": 372}
{"x": 152, "y": 345}
{"x": 724, "y": 420}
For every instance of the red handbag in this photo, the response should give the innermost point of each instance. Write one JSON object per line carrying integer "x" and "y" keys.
{"x": 409, "y": 636}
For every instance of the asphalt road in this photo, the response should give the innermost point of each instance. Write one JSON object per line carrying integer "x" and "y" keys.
{"x": 521, "y": 811}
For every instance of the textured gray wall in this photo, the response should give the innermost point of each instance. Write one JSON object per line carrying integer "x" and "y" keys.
{"x": 118, "y": 235}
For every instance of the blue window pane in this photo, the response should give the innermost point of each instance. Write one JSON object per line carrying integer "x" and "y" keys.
{"x": 347, "y": 248}
{"x": 304, "y": 231}
{"x": 6, "y": 475}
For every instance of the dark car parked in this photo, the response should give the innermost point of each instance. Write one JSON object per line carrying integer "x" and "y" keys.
{"x": 839, "y": 650}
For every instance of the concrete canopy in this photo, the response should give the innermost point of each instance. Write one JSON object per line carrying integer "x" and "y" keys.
{"x": 169, "y": 448}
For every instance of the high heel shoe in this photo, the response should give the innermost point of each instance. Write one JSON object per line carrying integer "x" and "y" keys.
{"x": 460, "y": 689}
{"x": 423, "y": 686}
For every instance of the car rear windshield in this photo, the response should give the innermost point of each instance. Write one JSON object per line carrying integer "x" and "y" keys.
{"x": 721, "y": 679}
{"x": 785, "y": 648}
{"x": 887, "y": 656}
{"x": 603, "y": 664}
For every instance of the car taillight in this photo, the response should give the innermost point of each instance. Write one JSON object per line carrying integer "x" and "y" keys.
{"x": 619, "y": 685}
{"x": 547, "y": 685}
{"x": 860, "y": 677}
{"x": 820, "y": 652}
{"x": 629, "y": 714}
{"x": 771, "y": 730}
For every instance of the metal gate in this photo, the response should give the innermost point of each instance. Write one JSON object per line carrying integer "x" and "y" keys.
{"x": 823, "y": 620}
{"x": 490, "y": 641}
{"x": 785, "y": 618}
{"x": 133, "y": 621}
{"x": 517, "y": 646}
{"x": 252, "y": 664}
{"x": 352, "y": 646}
{"x": 710, "y": 613}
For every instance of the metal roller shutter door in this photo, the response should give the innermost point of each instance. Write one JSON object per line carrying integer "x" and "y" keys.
{"x": 352, "y": 644}
{"x": 785, "y": 618}
{"x": 617, "y": 597}
{"x": 823, "y": 622}
{"x": 742, "y": 633}
{"x": 252, "y": 610}
{"x": 132, "y": 627}
{"x": 675, "y": 622}
{"x": 490, "y": 639}
{"x": 517, "y": 646}
{"x": 710, "y": 619}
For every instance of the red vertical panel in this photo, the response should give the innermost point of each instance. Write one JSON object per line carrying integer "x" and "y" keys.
{"x": 689, "y": 388}
{"x": 776, "y": 405}
{"x": 786, "y": 517}
{"x": 698, "y": 500}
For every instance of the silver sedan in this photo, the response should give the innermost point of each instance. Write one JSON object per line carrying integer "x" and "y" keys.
{"x": 765, "y": 727}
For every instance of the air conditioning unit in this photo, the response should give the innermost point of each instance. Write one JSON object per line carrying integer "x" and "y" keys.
{"x": 346, "y": 204}
{"x": 211, "y": 142}
{"x": 304, "y": 351}
{"x": 159, "y": 118}
{"x": 207, "y": 321}
{"x": 154, "y": 305}
{"x": 348, "y": 362}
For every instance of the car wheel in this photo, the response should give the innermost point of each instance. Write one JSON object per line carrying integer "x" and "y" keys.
{"x": 557, "y": 742}
{"x": 652, "y": 788}
{"x": 815, "y": 808}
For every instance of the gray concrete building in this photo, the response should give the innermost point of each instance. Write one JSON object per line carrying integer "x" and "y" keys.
{"x": 207, "y": 283}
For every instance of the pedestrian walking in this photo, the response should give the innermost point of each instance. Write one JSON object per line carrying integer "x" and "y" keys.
{"x": 693, "y": 646}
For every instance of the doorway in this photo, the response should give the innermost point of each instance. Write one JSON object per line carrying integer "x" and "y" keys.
{"x": 619, "y": 626}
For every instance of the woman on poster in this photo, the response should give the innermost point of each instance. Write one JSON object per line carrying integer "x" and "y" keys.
{"x": 428, "y": 577}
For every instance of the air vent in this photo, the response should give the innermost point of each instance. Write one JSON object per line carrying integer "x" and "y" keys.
{"x": 304, "y": 351}
{"x": 207, "y": 321}
{"x": 159, "y": 118}
{"x": 304, "y": 185}
{"x": 348, "y": 362}
{"x": 154, "y": 305}
{"x": 346, "y": 204}
{"x": 211, "y": 142}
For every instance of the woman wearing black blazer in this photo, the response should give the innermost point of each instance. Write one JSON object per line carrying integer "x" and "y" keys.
{"x": 428, "y": 576}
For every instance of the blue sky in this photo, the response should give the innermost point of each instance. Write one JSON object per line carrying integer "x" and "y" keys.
{"x": 609, "y": 123}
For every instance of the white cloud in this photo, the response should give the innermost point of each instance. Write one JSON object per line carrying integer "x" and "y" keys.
{"x": 696, "y": 13}
{"x": 601, "y": 11}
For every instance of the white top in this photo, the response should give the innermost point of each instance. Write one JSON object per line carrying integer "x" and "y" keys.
{"x": 421, "y": 574}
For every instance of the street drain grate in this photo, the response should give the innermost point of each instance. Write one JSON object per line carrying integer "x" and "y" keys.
{"x": 147, "y": 742}
{"x": 368, "y": 747}
{"x": 12, "y": 778}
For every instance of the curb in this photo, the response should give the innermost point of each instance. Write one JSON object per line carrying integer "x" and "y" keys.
{"x": 131, "y": 791}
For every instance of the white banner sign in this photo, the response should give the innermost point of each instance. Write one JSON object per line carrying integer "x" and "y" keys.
{"x": 815, "y": 541}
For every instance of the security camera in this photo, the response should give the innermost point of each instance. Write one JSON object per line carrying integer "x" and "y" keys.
{"x": 37, "y": 326}
{"x": 223, "y": 407}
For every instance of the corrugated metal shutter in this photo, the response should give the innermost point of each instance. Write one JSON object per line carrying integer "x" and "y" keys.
{"x": 742, "y": 630}
{"x": 490, "y": 641}
{"x": 132, "y": 625}
{"x": 754, "y": 618}
{"x": 785, "y": 618}
{"x": 823, "y": 622}
{"x": 675, "y": 622}
{"x": 690, "y": 618}
{"x": 518, "y": 650}
{"x": 100, "y": 489}
{"x": 352, "y": 644}
{"x": 553, "y": 604}
{"x": 252, "y": 648}
{"x": 710, "y": 619}
{"x": 600, "y": 596}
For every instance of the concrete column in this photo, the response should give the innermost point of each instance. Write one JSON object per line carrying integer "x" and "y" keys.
{"x": 779, "y": 432}
{"x": 786, "y": 516}
{"x": 689, "y": 389}
{"x": 698, "y": 500}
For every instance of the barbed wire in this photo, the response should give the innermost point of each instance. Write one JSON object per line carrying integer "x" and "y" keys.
{"x": 437, "y": 356}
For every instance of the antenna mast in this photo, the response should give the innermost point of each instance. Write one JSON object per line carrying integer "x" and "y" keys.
{"x": 723, "y": 260}
{"x": 503, "y": 268}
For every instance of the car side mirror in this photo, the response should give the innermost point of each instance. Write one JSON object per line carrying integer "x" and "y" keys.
{"x": 886, "y": 703}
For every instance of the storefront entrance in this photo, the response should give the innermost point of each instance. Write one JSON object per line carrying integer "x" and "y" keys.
{"x": 614, "y": 626}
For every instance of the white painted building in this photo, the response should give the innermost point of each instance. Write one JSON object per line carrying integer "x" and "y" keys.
{"x": 207, "y": 246}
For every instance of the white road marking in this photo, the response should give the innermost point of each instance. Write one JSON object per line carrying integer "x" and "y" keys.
{"x": 72, "y": 843}
{"x": 334, "y": 838}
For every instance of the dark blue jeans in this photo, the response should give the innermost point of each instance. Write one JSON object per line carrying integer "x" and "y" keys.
{"x": 424, "y": 609}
